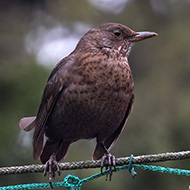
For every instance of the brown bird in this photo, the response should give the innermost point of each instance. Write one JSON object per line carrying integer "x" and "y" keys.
{"x": 89, "y": 94}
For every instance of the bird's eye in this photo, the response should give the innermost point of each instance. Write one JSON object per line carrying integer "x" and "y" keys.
{"x": 117, "y": 32}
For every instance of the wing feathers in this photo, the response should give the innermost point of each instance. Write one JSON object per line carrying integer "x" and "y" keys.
{"x": 43, "y": 115}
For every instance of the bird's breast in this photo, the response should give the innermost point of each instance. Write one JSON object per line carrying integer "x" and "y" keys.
{"x": 96, "y": 99}
{"x": 100, "y": 77}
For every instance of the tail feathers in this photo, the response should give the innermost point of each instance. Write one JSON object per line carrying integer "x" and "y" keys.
{"x": 48, "y": 150}
{"x": 98, "y": 152}
{"x": 27, "y": 123}
{"x": 54, "y": 147}
{"x": 62, "y": 151}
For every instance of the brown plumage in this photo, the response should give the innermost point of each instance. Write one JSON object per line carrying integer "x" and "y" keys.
{"x": 89, "y": 94}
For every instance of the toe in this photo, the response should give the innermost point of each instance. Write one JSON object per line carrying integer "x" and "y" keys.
{"x": 108, "y": 161}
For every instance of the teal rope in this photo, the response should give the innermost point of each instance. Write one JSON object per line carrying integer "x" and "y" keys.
{"x": 74, "y": 183}
{"x": 163, "y": 169}
{"x": 131, "y": 167}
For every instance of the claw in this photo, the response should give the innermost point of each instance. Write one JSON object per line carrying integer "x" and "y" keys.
{"x": 51, "y": 166}
{"x": 111, "y": 165}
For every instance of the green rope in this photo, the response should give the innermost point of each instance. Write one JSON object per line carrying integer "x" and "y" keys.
{"x": 74, "y": 183}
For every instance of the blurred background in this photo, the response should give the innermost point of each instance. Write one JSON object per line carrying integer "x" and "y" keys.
{"x": 35, "y": 35}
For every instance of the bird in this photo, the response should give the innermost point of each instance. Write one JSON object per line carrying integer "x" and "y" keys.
{"x": 89, "y": 94}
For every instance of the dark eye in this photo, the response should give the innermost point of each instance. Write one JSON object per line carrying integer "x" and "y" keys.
{"x": 117, "y": 32}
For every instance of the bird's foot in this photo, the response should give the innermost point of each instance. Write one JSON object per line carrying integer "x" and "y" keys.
{"x": 51, "y": 167}
{"x": 108, "y": 161}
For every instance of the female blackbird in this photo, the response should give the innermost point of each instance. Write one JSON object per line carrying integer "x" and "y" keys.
{"x": 89, "y": 94}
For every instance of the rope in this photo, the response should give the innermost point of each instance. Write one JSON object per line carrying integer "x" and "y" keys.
{"x": 96, "y": 164}
{"x": 131, "y": 168}
{"x": 74, "y": 183}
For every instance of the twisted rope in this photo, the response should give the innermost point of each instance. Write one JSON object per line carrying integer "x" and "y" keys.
{"x": 96, "y": 164}
{"x": 74, "y": 183}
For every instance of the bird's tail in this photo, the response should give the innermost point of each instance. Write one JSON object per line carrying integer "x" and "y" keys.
{"x": 27, "y": 123}
{"x": 98, "y": 152}
{"x": 54, "y": 147}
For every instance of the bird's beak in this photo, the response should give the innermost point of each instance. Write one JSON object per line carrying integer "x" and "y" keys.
{"x": 138, "y": 36}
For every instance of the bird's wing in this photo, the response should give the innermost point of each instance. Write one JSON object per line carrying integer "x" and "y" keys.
{"x": 55, "y": 85}
{"x": 112, "y": 139}
{"x": 110, "y": 142}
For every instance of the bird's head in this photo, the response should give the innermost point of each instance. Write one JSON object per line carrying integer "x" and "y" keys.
{"x": 112, "y": 37}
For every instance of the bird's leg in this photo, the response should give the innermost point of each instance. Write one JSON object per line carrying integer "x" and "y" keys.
{"x": 108, "y": 161}
{"x": 51, "y": 166}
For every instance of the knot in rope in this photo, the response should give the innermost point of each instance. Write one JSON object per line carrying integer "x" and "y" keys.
{"x": 131, "y": 167}
{"x": 72, "y": 182}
